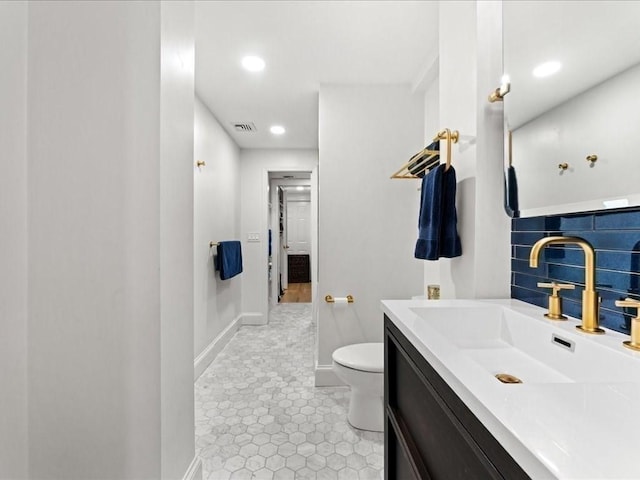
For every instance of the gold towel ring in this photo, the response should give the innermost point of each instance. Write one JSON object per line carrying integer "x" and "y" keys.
{"x": 450, "y": 137}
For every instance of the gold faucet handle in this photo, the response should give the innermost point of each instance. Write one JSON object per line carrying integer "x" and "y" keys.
{"x": 555, "y": 302}
{"x": 630, "y": 303}
{"x": 557, "y": 287}
{"x": 634, "y": 343}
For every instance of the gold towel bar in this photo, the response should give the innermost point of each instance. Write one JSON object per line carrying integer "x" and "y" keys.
{"x": 330, "y": 299}
{"x": 430, "y": 159}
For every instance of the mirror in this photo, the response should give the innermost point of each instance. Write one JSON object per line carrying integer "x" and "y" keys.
{"x": 572, "y": 117}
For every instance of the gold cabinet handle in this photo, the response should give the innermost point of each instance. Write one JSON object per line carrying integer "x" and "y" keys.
{"x": 563, "y": 166}
{"x": 634, "y": 343}
{"x": 555, "y": 301}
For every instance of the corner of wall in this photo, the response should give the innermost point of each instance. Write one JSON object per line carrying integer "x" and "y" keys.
{"x": 326, "y": 377}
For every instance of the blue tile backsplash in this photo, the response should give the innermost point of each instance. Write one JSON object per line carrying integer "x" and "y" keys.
{"x": 616, "y": 239}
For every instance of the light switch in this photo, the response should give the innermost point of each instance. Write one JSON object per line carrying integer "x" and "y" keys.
{"x": 253, "y": 237}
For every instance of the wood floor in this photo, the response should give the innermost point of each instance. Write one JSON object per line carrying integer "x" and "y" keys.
{"x": 297, "y": 293}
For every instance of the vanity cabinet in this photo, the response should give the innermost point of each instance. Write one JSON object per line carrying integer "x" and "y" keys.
{"x": 429, "y": 432}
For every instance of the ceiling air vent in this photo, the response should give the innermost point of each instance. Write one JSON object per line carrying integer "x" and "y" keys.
{"x": 244, "y": 127}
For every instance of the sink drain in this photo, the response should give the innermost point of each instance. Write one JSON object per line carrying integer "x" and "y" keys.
{"x": 506, "y": 378}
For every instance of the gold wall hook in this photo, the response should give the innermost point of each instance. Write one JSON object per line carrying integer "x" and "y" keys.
{"x": 563, "y": 166}
{"x": 498, "y": 94}
{"x": 200, "y": 163}
{"x": 495, "y": 96}
{"x": 592, "y": 158}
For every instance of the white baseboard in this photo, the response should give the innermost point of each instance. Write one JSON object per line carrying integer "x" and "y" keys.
{"x": 253, "y": 318}
{"x": 194, "y": 472}
{"x": 212, "y": 350}
{"x": 326, "y": 377}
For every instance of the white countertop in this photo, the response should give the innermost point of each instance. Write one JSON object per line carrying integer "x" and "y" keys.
{"x": 565, "y": 430}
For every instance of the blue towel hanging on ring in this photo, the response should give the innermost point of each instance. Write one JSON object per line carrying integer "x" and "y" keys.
{"x": 437, "y": 223}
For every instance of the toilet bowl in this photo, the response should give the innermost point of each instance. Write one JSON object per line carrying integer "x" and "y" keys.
{"x": 361, "y": 366}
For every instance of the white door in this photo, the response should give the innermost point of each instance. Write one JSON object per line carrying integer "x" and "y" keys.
{"x": 299, "y": 228}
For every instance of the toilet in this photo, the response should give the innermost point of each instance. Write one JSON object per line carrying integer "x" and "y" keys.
{"x": 361, "y": 366}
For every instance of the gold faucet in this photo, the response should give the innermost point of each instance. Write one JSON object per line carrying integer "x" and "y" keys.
{"x": 590, "y": 300}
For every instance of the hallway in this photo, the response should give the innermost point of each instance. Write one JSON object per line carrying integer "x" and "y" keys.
{"x": 258, "y": 414}
{"x": 297, "y": 293}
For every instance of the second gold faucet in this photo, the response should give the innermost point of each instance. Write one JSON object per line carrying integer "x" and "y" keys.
{"x": 590, "y": 299}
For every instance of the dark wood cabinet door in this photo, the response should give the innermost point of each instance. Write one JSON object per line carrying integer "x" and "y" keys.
{"x": 299, "y": 269}
{"x": 439, "y": 436}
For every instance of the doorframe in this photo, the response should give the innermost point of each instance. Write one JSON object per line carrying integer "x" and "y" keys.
{"x": 271, "y": 294}
{"x": 284, "y": 265}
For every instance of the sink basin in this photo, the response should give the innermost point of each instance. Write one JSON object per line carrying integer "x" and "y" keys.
{"x": 502, "y": 339}
{"x": 572, "y": 417}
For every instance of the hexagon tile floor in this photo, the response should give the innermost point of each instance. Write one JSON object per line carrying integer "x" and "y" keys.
{"x": 258, "y": 414}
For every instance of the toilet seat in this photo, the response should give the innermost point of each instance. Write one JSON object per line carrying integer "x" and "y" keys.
{"x": 365, "y": 357}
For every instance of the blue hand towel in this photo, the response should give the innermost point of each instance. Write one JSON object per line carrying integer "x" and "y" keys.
{"x": 422, "y": 164}
{"x": 511, "y": 193}
{"x": 229, "y": 259}
{"x": 437, "y": 224}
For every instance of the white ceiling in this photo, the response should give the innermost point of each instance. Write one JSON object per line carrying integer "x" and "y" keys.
{"x": 304, "y": 44}
{"x": 593, "y": 40}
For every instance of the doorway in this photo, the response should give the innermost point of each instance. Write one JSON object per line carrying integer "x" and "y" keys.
{"x": 290, "y": 255}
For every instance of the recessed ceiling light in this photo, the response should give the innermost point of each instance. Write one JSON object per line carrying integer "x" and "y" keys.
{"x": 253, "y": 63}
{"x": 546, "y": 69}
{"x": 277, "y": 130}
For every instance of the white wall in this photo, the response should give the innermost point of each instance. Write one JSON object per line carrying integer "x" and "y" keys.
{"x": 216, "y": 218}
{"x": 13, "y": 240}
{"x": 110, "y": 199}
{"x": 470, "y": 68}
{"x": 177, "y": 94}
{"x": 254, "y": 167}
{"x": 493, "y": 272}
{"x": 367, "y": 222}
